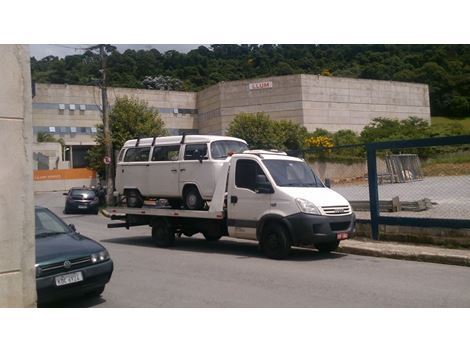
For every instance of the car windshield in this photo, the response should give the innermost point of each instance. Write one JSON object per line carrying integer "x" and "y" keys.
{"x": 223, "y": 149}
{"x": 85, "y": 193}
{"x": 47, "y": 224}
{"x": 291, "y": 173}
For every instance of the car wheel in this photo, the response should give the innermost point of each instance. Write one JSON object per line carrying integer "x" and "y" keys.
{"x": 275, "y": 242}
{"x": 192, "y": 199}
{"x": 134, "y": 199}
{"x": 162, "y": 234}
{"x": 327, "y": 246}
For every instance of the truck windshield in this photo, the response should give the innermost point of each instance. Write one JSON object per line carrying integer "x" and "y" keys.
{"x": 223, "y": 149}
{"x": 290, "y": 173}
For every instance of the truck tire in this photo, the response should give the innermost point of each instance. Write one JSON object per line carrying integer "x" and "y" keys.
{"x": 212, "y": 232}
{"x": 134, "y": 199}
{"x": 327, "y": 247}
{"x": 192, "y": 199}
{"x": 275, "y": 242}
{"x": 162, "y": 234}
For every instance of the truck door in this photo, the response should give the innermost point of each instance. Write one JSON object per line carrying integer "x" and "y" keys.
{"x": 245, "y": 203}
{"x": 164, "y": 171}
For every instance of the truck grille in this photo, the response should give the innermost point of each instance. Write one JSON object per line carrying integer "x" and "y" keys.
{"x": 336, "y": 210}
{"x": 59, "y": 267}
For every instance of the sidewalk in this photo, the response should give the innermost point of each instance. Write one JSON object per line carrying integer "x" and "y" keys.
{"x": 406, "y": 251}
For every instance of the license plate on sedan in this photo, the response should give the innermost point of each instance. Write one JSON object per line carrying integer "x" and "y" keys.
{"x": 82, "y": 207}
{"x": 68, "y": 278}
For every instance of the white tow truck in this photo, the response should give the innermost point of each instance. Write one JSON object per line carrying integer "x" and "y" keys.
{"x": 269, "y": 197}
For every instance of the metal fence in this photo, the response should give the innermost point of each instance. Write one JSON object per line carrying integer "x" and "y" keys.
{"x": 420, "y": 183}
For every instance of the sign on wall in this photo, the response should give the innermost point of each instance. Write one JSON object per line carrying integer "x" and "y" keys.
{"x": 261, "y": 85}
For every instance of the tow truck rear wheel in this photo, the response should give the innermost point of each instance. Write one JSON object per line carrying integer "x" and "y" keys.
{"x": 212, "y": 232}
{"x": 327, "y": 247}
{"x": 275, "y": 242}
{"x": 162, "y": 234}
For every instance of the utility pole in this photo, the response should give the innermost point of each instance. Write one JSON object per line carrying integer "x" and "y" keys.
{"x": 106, "y": 131}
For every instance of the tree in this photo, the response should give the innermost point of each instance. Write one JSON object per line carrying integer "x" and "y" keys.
{"x": 292, "y": 134}
{"x": 129, "y": 118}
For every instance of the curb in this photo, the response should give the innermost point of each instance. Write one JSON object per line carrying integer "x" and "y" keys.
{"x": 406, "y": 252}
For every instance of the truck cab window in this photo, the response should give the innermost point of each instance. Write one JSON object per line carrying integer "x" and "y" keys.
{"x": 137, "y": 154}
{"x": 166, "y": 153}
{"x": 190, "y": 151}
{"x": 246, "y": 172}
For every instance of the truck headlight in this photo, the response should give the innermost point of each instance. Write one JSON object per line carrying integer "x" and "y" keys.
{"x": 308, "y": 207}
{"x": 100, "y": 257}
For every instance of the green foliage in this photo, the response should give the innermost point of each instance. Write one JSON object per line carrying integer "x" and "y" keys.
{"x": 47, "y": 137}
{"x": 261, "y": 132}
{"x": 443, "y": 67}
{"x": 129, "y": 118}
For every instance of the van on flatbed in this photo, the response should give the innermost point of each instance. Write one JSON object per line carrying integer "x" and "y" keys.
{"x": 268, "y": 197}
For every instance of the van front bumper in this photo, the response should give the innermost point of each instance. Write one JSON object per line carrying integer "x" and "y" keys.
{"x": 313, "y": 229}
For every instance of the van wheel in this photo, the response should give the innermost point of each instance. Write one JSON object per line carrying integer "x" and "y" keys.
{"x": 327, "y": 247}
{"x": 162, "y": 234}
{"x": 275, "y": 243}
{"x": 134, "y": 199}
{"x": 192, "y": 199}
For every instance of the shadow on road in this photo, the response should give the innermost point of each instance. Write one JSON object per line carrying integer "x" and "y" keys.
{"x": 76, "y": 302}
{"x": 244, "y": 250}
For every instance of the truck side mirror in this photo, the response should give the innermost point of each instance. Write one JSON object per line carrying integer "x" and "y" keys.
{"x": 263, "y": 185}
{"x": 328, "y": 182}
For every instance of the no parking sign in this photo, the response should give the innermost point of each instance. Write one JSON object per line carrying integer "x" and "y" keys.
{"x": 107, "y": 160}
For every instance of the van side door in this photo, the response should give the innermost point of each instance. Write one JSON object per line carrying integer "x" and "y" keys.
{"x": 245, "y": 202}
{"x": 193, "y": 171}
{"x": 164, "y": 171}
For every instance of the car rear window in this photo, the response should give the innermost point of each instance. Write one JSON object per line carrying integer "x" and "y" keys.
{"x": 83, "y": 192}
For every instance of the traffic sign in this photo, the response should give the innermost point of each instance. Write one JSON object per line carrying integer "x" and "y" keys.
{"x": 107, "y": 160}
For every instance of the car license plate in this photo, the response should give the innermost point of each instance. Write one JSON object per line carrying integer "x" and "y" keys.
{"x": 82, "y": 207}
{"x": 68, "y": 278}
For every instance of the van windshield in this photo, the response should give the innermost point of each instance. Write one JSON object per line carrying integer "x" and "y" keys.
{"x": 290, "y": 173}
{"x": 223, "y": 149}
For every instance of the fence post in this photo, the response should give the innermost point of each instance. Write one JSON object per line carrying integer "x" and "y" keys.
{"x": 373, "y": 190}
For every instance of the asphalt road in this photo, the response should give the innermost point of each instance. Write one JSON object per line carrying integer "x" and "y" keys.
{"x": 233, "y": 273}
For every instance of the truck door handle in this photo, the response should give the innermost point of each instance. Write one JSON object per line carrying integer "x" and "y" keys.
{"x": 174, "y": 170}
{"x": 233, "y": 199}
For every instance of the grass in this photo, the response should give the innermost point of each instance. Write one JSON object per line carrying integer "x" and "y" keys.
{"x": 441, "y": 120}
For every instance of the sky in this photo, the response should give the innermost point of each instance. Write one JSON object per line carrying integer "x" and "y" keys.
{"x": 42, "y": 50}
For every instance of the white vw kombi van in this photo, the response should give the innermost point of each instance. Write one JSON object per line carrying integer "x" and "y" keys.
{"x": 176, "y": 168}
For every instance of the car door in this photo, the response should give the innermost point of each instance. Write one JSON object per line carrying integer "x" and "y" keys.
{"x": 164, "y": 171}
{"x": 245, "y": 203}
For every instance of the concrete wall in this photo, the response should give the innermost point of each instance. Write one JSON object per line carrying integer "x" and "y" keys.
{"x": 17, "y": 242}
{"x": 335, "y": 103}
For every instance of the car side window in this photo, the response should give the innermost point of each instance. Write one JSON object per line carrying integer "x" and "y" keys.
{"x": 137, "y": 154}
{"x": 190, "y": 151}
{"x": 246, "y": 172}
{"x": 166, "y": 153}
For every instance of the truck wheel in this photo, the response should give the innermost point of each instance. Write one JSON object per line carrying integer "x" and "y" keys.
{"x": 192, "y": 199}
{"x": 162, "y": 234}
{"x": 275, "y": 243}
{"x": 134, "y": 199}
{"x": 212, "y": 232}
{"x": 327, "y": 247}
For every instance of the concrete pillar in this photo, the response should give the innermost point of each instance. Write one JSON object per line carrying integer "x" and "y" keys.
{"x": 17, "y": 244}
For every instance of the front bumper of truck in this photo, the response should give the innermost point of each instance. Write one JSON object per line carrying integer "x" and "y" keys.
{"x": 313, "y": 229}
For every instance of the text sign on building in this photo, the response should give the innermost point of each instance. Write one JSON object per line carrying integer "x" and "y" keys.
{"x": 261, "y": 85}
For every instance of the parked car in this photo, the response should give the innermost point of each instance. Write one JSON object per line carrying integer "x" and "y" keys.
{"x": 67, "y": 263}
{"x": 81, "y": 200}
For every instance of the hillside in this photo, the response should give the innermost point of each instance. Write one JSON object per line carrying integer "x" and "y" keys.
{"x": 445, "y": 68}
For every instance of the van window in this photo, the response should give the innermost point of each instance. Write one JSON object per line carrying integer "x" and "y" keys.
{"x": 246, "y": 172}
{"x": 121, "y": 154}
{"x": 166, "y": 153}
{"x": 222, "y": 149}
{"x": 190, "y": 151}
{"x": 137, "y": 154}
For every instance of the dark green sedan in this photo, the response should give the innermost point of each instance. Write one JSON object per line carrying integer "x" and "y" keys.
{"x": 67, "y": 263}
